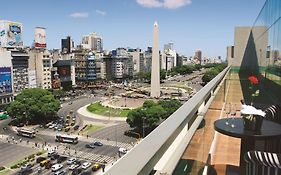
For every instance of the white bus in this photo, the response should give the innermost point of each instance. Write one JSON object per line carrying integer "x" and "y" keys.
{"x": 25, "y": 132}
{"x": 66, "y": 139}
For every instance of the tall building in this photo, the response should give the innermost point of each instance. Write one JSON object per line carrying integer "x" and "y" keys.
{"x": 11, "y": 34}
{"x": 169, "y": 49}
{"x": 67, "y": 45}
{"x": 6, "y": 79}
{"x": 20, "y": 60}
{"x": 137, "y": 57}
{"x": 92, "y": 42}
{"x": 198, "y": 56}
{"x": 155, "y": 70}
{"x": 39, "y": 69}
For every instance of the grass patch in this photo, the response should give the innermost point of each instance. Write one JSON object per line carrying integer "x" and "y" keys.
{"x": 90, "y": 129}
{"x": 5, "y": 171}
{"x": 97, "y": 108}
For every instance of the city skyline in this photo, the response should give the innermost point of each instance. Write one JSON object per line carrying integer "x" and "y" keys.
{"x": 127, "y": 23}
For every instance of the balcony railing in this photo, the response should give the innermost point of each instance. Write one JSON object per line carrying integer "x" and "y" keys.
{"x": 145, "y": 155}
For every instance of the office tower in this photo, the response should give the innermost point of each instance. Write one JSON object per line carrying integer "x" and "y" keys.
{"x": 155, "y": 70}
{"x": 92, "y": 42}
{"x": 67, "y": 45}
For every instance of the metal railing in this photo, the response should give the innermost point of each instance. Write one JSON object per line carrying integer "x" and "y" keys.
{"x": 144, "y": 156}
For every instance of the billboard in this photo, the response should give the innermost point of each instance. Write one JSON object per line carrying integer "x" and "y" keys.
{"x": 40, "y": 37}
{"x": 10, "y": 34}
{"x": 5, "y": 80}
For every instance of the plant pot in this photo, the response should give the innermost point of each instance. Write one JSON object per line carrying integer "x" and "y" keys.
{"x": 253, "y": 122}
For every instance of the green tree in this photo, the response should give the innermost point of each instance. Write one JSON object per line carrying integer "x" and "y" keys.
{"x": 34, "y": 106}
{"x": 152, "y": 114}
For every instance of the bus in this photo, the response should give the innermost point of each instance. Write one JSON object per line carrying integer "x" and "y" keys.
{"x": 66, "y": 139}
{"x": 26, "y": 133}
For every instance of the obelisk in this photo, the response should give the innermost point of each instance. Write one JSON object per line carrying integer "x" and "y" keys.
{"x": 155, "y": 70}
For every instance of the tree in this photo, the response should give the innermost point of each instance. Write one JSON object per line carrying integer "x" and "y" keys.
{"x": 34, "y": 106}
{"x": 213, "y": 72}
{"x": 152, "y": 114}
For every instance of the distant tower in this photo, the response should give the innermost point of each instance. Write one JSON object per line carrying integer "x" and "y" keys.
{"x": 155, "y": 70}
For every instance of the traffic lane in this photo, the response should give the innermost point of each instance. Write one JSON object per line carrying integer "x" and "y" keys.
{"x": 106, "y": 150}
{"x": 114, "y": 132}
{"x": 13, "y": 152}
{"x": 4, "y": 125}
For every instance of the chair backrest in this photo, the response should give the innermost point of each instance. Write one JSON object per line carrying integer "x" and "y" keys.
{"x": 259, "y": 163}
{"x": 273, "y": 113}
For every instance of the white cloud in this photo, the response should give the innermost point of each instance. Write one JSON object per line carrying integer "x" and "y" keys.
{"x": 170, "y": 4}
{"x": 173, "y": 4}
{"x": 150, "y": 3}
{"x": 79, "y": 15}
{"x": 100, "y": 12}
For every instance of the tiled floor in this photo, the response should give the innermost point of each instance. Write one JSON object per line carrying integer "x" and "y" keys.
{"x": 225, "y": 159}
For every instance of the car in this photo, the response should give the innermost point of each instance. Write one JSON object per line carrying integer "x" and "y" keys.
{"x": 52, "y": 126}
{"x": 67, "y": 116}
{"x": 72, "y": 123}
{"x": 122, "y": 150}
{"x": 40, "y": 159}
{"x": 44, "y": 162}
{"x": 25, "y": 171}
{"x": 27, "y": 166}
{"x": 51, "y": 153}
{"x": 77, "y": 171}
{"x": 76, "y": 127}
{"x": 86, "y": 165}
{"x": 71, "y": 161}
{"x": 61, "y": 159}
{"x": 96, "y": 167}
{"x": 55, "y": 156}
{"x": 91, "y": 145}
{"x": 70, "y": 103}
{"x": 74, "y": 119}
{"x": 67, "y": 129}
{"x": 73, "y": 166}
{"x": 61, "y": 172}
{"x": 97, "y": 143}
{"x": 57, "y": 167}
{"x": 49, "y": 165}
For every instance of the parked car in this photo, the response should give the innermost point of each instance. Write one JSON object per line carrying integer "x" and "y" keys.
{"x": 86, "y": 165}
{"x": 71, "y": 161}
{"x": 97, "y": 143}
{"x": 96, "y": 167}
{"x": 56, "y": 167}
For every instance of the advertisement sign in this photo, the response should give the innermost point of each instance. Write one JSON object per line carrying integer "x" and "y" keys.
{"x": 32, "y": 79}
{"x": 10, "y": 34}
{"x": 5, "y": 80}
{"x": 40, "y": 37}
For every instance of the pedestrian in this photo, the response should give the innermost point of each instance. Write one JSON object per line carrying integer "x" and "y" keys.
{"x": 87, "y": 136}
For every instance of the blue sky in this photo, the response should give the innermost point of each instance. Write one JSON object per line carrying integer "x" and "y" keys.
{"x": 191, "y": 24}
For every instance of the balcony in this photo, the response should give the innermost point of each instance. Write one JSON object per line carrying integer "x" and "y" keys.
{"x": 186, "y": 143}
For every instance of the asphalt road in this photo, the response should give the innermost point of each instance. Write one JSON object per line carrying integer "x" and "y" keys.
{"x": 11, "y": 152}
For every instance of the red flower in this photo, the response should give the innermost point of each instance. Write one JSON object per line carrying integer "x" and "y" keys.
{"x": 253, "y": 79}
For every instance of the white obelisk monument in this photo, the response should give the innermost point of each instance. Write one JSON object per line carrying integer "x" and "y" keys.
{"x": 155, "y": 70}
